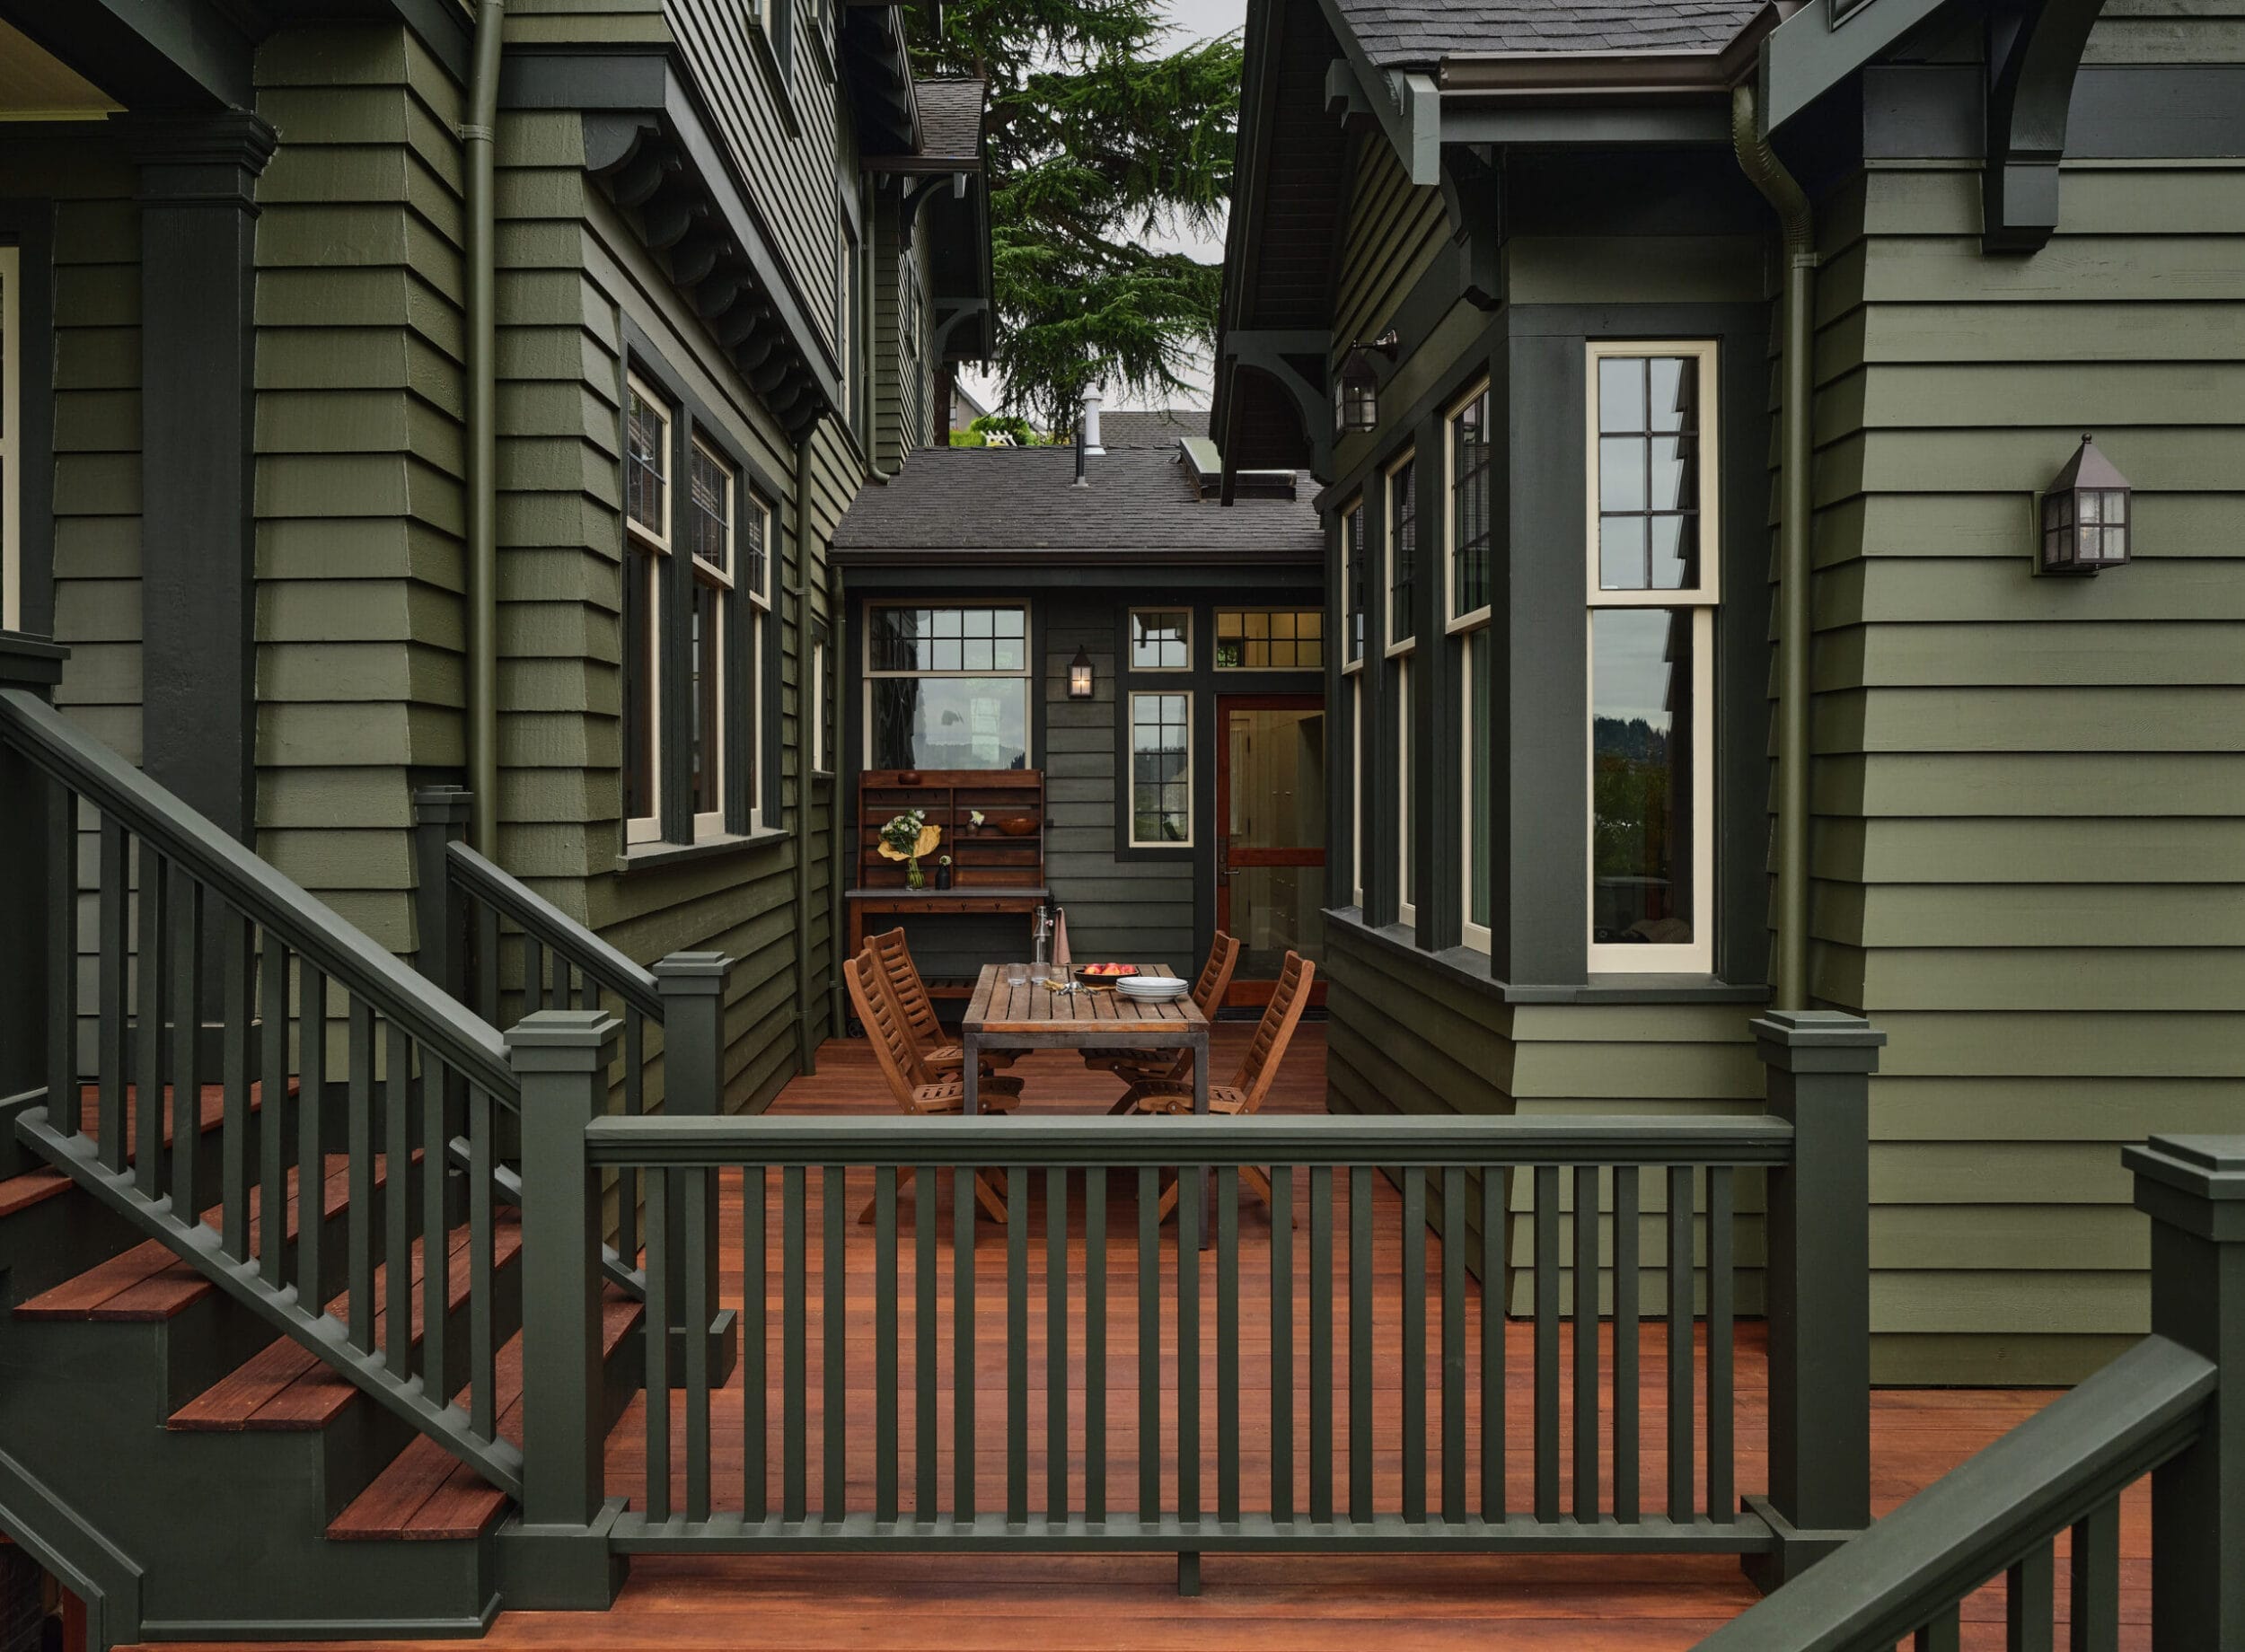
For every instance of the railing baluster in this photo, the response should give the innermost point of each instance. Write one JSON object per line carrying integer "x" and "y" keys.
{"x": 1495, "y": 1283}
{"x": 1321, "y": 1343}
{"x": 234, "y": 1077}
{"x": 1547, "y": 1344}
{"x": 1453, "y": 1344}
{"x": 1095, "y": 1344}
{"x": 488, "y": 963}
{"x": 1056, "y": 1344}
{"x": 1360, "y": 1505}
{"x": 436, "y": 1231}
{"x": 660, "y": 1188}
{"x": 1586, "y": 1342}
{"x": 755, "y": 1291}
{"x": 884, "y": 1343}
{"x": 112, "y": 1033}
{"x": 64, "y": 1108}
{"x": 533, "y": 974}
{"x": 1016, "y": 1345}
{"x": 924, "y": 1487}
{"x": 1945, "y": 1633}
{"x": 1414, "y": 1343}
{"x": 834, "y": 1357}
{"x": 312, "y": 1139}
{"x": 1722, "y": 1502}
{"x": 1681, "y": 1478}
{"x": 699, "y": 1291}
{"x": 1627, "y": 1506}
{"x": 634, "y": 1096}
{"x": 398, "y": 1219}
{"x": 1282, "y": 1343}
{"x": 2031, "y": 1599}
{"x": 1227, "y": 1342}
{"x": 1148, "y": 1346}
{"x": 149, "y": 959}
{"x": 361, "y": 1282}
{"x": 272, "y": 1111}
{"x": 1190, "y": 1181}
{"x": 187, "y": 1039}
{"x": 962, "y": 1374}
{"x": 794, "y": 1349}
{"x": 2094, "y": 1585}
{"x": 482, "y": 1343}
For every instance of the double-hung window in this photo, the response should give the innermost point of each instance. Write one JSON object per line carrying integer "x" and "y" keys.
{"x": 1403, "y": 551}
{"x": 646, "y": 487}
{"x": 947, "y": 688}
{"x": 1466, "y": 531}
{"x": 1653, "y": 584}
{"x": 710, "y": 522}
{"x": 1355, "y": 577}
{"x": 1161, "y": 769}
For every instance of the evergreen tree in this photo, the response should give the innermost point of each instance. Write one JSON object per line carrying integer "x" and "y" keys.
{"x": 1099, "y": 135}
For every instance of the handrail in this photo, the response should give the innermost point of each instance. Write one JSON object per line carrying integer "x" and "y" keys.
{"x": 510, "y": 898}
{"x": 2069, "y": 1459}
{"x": 1429, "y": 1140}
{"x": 256, "y": 890}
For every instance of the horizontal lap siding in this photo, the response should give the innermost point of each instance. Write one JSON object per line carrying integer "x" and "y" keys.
{"x": 1395, "y": 230}
{"x": 2029, "y": 853}
{"x": 360, "y": 452}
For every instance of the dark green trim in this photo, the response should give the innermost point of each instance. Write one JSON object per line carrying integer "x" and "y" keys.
{"x": 1665, "y": 124}
{"x": 1211, "y": 567}
{"x": 106, "y": 1580}
{"x": 652, "y": 857}
{"x": 28, "y": 226}
{"x": 2119, "y": 112}
{"x": 1469, "y": 970}
{"x": 148, "y": 54}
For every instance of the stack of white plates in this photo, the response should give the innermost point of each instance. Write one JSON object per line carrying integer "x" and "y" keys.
{"x": 1153, "y": 988}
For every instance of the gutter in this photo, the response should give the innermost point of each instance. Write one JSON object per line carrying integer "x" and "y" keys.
{"x": 477, "y": 142}
{"x": 1790, "y": 968}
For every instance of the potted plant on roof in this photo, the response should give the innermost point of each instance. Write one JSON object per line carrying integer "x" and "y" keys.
{"x": 906, "y": 838}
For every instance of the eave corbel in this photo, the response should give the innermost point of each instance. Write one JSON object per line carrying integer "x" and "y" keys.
{"x": 1473, "y": 200}
{"x": 2033, "y": 53}
{"x": 1408, "y": 103}
{"x": 1276, "y": 353}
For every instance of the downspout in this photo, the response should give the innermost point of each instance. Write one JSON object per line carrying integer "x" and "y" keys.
{"x": 806, "y": 709}
{"x": 477, "y": 142}
{"x": 1789, "y": 974}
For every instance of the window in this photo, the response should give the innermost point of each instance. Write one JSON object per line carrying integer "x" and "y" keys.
{"x": 846, "y": 328}
{"x": 1402, "y": 552}
{"x": 911, "y": 326}
{"x": 816, "y": 699}
{"x": 947, "y": 688}
{"x": 11, "y": 437}
{"x": 1354, "y": 587}
{"x": 1407, "y": 805}
{"x": 1161, "y": 639}
{"x": 1652, "y": 584}
{"x": 1161, "y": 770}
{"x": 1356, "y": 792}
{"x": 776, "y": 19}
{"x": 1471, "y": 479}
{"x": 1270, "y": 639}
{"x": 647, "y": 545}
{"x": 1476, "y": 753}
{"x": 758, "y": 557}
{"x": 709, "y": 536}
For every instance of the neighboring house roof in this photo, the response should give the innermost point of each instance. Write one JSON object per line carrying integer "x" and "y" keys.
{"x": 1420, "y": 32}
{"x": 1163, "y": 427}
{"x": 973, "y": 500}
{"x": 951, "y": 120}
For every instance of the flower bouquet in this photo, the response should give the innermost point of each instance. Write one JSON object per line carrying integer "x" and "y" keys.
{"x": 906, "y": 838}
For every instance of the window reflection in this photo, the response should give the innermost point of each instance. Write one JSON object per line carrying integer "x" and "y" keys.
{"x": 1641, "y": 754}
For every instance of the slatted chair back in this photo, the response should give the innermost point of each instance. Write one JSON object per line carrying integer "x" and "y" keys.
{"x": 886, "y": 1028}
{"x": 893, "y": 958}
{"x": 1259, "y": 1069}
{"x": 1216, "y": 974}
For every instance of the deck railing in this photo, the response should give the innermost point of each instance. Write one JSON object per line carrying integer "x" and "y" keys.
{"x": 2167, "y": 1409}
{"x": 1106, "y": 1442}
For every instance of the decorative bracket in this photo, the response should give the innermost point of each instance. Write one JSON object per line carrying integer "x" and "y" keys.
{"x": 1279, "y": 355}
{"x": 2033, "y": 52}
{"x": 1472, "y": 199}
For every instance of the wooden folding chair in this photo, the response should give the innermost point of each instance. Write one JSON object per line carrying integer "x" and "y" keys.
{"x": 939, "y": 1053}
{"x": 1137, "y": 1067}
{"x": 914, "y": 1090}
{"x": 1258, "y": 1069}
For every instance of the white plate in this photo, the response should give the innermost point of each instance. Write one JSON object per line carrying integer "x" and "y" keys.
{"x": 1151, "y": 990}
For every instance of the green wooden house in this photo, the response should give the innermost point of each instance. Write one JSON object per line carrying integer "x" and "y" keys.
{"x": 1683, "y": 384}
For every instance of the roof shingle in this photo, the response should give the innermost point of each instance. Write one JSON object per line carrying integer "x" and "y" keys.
{"x": 1425, "y": 32}
{"x": 950, "y": 119}
{"x": 1163, "y": 427}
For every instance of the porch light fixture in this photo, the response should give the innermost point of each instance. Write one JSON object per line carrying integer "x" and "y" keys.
{"x": 1079, "y": 676}
{"x": 2085, "y": 515}
{"x": 1356, "y": 392}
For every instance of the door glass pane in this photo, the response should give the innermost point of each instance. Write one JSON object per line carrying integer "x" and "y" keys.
{"x": 1641, "y": 743}
{"x": 1275, "y": 908}
{"x": 1277, "y": 764}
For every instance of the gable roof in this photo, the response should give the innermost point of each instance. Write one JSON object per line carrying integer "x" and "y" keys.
{"x": 980, "y": 501}
{"x": 1425, "y": 32}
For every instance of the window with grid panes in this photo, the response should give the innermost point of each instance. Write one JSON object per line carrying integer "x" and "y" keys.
{"x": 1270, "y": 639}
{"x": 1161, "y": 769}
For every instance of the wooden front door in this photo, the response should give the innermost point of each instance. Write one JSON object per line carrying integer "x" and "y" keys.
{"x": 1270, "y": 834}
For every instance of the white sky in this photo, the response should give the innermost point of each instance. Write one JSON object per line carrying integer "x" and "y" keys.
{"x": 1193, "y": 19}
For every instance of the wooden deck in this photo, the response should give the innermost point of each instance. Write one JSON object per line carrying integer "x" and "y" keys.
{"x": 930, "y": 1604}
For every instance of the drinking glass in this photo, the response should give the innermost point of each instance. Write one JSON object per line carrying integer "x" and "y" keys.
{"x": 1016, "y": 975}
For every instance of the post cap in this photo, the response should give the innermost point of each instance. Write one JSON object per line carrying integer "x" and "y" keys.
{"x": 447, "y": 803}
{"x": 28, "y": 662}
{"x": 561, "y": 1041}
{"x": 2211, "y": 1166}
{"x": 692, "y": 973}
{"x": 1819, "y": 1040}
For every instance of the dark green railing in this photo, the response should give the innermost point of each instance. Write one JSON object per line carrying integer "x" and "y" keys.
{"x": 2166, "y": 1409}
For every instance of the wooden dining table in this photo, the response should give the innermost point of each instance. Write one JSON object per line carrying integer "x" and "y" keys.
{"x": 1033, "y": 1016}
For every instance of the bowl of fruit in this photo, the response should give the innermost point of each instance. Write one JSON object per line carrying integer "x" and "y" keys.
{"x": 1103, "y": 974}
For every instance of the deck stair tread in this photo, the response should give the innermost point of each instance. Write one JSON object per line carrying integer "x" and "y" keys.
{"x": 35, "y": 1187}
{"x": 285, "y": 1387}
{"x": 426, "y": 1495}
{"x": 148, "y": 1282}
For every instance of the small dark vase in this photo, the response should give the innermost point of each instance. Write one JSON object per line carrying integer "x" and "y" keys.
{"x": 942, "y": 878}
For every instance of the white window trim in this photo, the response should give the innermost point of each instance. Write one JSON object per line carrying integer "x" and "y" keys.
{"x": 1130, "y": 642}
{"x": 1192, "y": 803}
{"x": 11, "y": 439}
{"x": 760, "y": 638}
{"x": 1710, "y": 463}
{"x": 1390, "y": 648}
{"x": 1456, "y": 621}
{"x": 1406, "y": 782}
{"x": 1697, "y": 956}
{"x": 710, "y": 822}
{"x": 1026, "y": 674}
{"x": 648, "y": 828}
{"x": 1216, "y": 641}
{"x": 1476, "y": 935}
{"x": 1345, "y": 630}
{"x": 818, "y": 706}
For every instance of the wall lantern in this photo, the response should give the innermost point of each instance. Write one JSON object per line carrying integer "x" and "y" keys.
{"x": 1079, "y": 676}
{"x": 2085, "y": 515}
{"x": 1356, "y": 392}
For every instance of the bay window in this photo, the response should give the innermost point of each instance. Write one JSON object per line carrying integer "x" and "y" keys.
{"x": 1354, "y": 589}
{"x": 1467, "y": 581}
{"x": 947, "y": 688}
{"x": 1401, "y": 552}
{"x": 646, "y": 548}
{"x": 1652, "y": 585}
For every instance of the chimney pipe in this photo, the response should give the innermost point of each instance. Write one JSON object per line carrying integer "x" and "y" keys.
{"x": 1089, "y": 424}
{"x": 1082, "y": 479}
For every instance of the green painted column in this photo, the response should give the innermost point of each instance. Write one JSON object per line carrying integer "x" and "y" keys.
{"x": 1818, "y": 1066}
{"x": 693, "y": 986}
{"x": 2192, "y": 1187}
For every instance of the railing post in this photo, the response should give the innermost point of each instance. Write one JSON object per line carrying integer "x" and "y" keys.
{"x": 440, "y": 820}
{"x": 2192, "y": 1187}
{"x": 35, "y": 666}
{"x": 692, "y": 987}
{"x": 558, "y": 1557}
{"x": 1818, "y": 1065}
